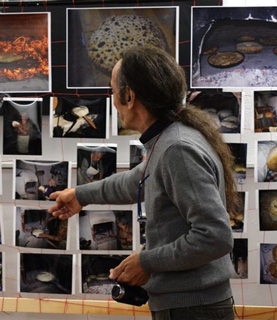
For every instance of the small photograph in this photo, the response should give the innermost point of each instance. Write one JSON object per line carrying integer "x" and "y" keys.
{"x": 268, "y": 271}
{"x": 137, "y": 153}
{"x": 96, "y": 38}
{"x": 25, "y": 52}
{"x": 46, "y": 273}
{"x": 117, "y": 126}
{"x": 239, "y": 151}
{"x": 266, "y": 169}
{"x": 268, "y": 210}
{"x": 95, "y": 162}
{"x": 36, "y": 228}
{"x": 233, "y": 47}
{"x": 223, "y": 107}
{"x": 79, "y": 117}
{"x": 142, "y": 236}
{"x": 95, "y": 272}
{"x": 22, "y": 126}
{"x": 237, "y": 217}
{"x": 239, "y": 257}
{"x": 106, "y": 230}
{"x": 36, "y": 180}
{"x": 265, "y": 106}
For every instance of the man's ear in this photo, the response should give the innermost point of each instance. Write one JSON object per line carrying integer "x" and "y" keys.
{"x": 130, "y": 97}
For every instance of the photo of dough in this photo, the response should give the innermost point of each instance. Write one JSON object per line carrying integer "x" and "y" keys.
{"x": 97, "y": 38}
{"x": 268, "y": 263}
{"x": 268, "y": 210}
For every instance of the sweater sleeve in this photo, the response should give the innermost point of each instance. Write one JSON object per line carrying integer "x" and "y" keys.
{"x": 190, "y": 180}
{"x": 120, "y": 188}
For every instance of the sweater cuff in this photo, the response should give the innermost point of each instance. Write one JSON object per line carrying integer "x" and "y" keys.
{"x": 149, "y": 261}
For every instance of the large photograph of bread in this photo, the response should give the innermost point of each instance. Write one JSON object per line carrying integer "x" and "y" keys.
{"x": 97, "y": 37}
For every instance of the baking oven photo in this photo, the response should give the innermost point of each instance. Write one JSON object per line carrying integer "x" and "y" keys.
{"x": 37, "y": 228}
{"x": 239, "y": 151}
{"x": 268, "y": 210}
{"x": 46, "y": 273}
{"x": 96, "y": 38}
{"x": 223, "y": 107}
{"x": 95, "y": 273}
{"x": 268, "y": 263}
{"x": 22, "y": 126}
{"x": 234, "y": 47}
{"x": 95, "y": 162}
{"x": 239, "y": 257}
{"x": 106, "y": 230}
{"x": 266, "y": 168}
{"x": 84, "y": 117}
{"x": 36, "y": 180}
{"x": 25, "y": 52}
{"x": 265, "y": 106}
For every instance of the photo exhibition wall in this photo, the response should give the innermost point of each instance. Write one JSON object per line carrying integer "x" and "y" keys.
{"x": 59, "y": 129}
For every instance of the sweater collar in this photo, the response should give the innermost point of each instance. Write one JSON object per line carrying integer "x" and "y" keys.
{"x": 156, "y": 128}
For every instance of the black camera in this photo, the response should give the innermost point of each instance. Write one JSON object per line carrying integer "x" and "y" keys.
{"x": 133, "y": 295}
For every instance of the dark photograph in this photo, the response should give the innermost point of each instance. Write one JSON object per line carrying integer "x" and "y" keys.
{"x": 46, "y": 273}
{"x": 95, "y": 273}
{"x": 106, "y": 230}
{"x": 237, "y": 215}
{"x": 234, "y": 47}
{"x": 137, "y": 153}
{"x": 36, "y": 228}
{"x": 239, "y": 256}
{"x": 95, "y": 162}
{"x": 268, "y": 210}
{"x": 36, "y": 180}
{"x": 239, "y": 151}
{"x": 79, "y": 118}
{"x": 22, "y": 126}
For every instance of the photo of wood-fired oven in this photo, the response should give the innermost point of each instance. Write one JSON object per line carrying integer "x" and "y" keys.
{"x": 25, "y": 52}
{"x": 84, "y": 117}
{"x": 237, "y": 216}
{"x": 36, "y": 180}
{"x": 37, "y": 228}
{"x": 268, "y": 210}
{"x": 233, "y": 47}
{"x": 106, "y": 230}
{"x": 46, "y": 273}
{"x": 268, "y": 263}
{"x": 265, "y": 106}
{"x": 239, "y": 257}
{"x": 98, "y": 36}
{"x": 95, "y": 162}
{"x": 137, "y": 153}
{"x": 95, "y": 272}
{"x": 22, "y": 126}
{"x": 239, "y": 151}
{"x": 266, "y": 165}
{"x": 223, "y": 107}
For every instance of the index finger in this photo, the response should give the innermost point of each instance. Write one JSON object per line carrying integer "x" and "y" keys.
{"x": 54, "y": 195}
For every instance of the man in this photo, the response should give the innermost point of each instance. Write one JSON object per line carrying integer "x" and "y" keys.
{"x": 186, "y": 265}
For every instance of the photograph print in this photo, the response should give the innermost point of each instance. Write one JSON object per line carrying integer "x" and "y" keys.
{"x": 268, "y": 210}
{"x": 106, "y": 230}
{"x": 223, "y": 107}
{"x": 266, "y": 168}
{"x": 95, "y": 162}
{"x": 36, "y": 180}
{"x": 268, "y": 263}
{"x": 237, "y": 215}
{"x": 95, "y": 272}
{"x": 37, "y": 228}
{"x": 234, "y": 47}
{"x": 98, "y": 36}
{"x": 239, "y": 151}
{"x": 25, "y": 52}
{"x": 22, "y": 126}
{"x": 46, "y": 273}
{"x": 239, "y": 257}
{"x": 85, "y": 117}
{"x": 137, "y": 153}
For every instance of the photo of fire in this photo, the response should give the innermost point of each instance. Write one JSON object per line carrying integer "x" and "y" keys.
{"x": 24, "y": 52}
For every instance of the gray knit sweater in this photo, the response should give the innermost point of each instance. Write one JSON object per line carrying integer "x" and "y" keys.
{"x": 188, "y": 234}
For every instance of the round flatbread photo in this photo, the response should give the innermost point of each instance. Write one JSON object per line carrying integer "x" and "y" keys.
{"x": 225, "y": 59}
{"x": 116, "y": 33}
{"x": 270, "y": 41}
{"x": 249, "y": 47}
{"x": 246, "y": 38}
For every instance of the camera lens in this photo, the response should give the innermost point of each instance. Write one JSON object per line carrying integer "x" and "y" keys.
{"x": 118, "y": 292}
